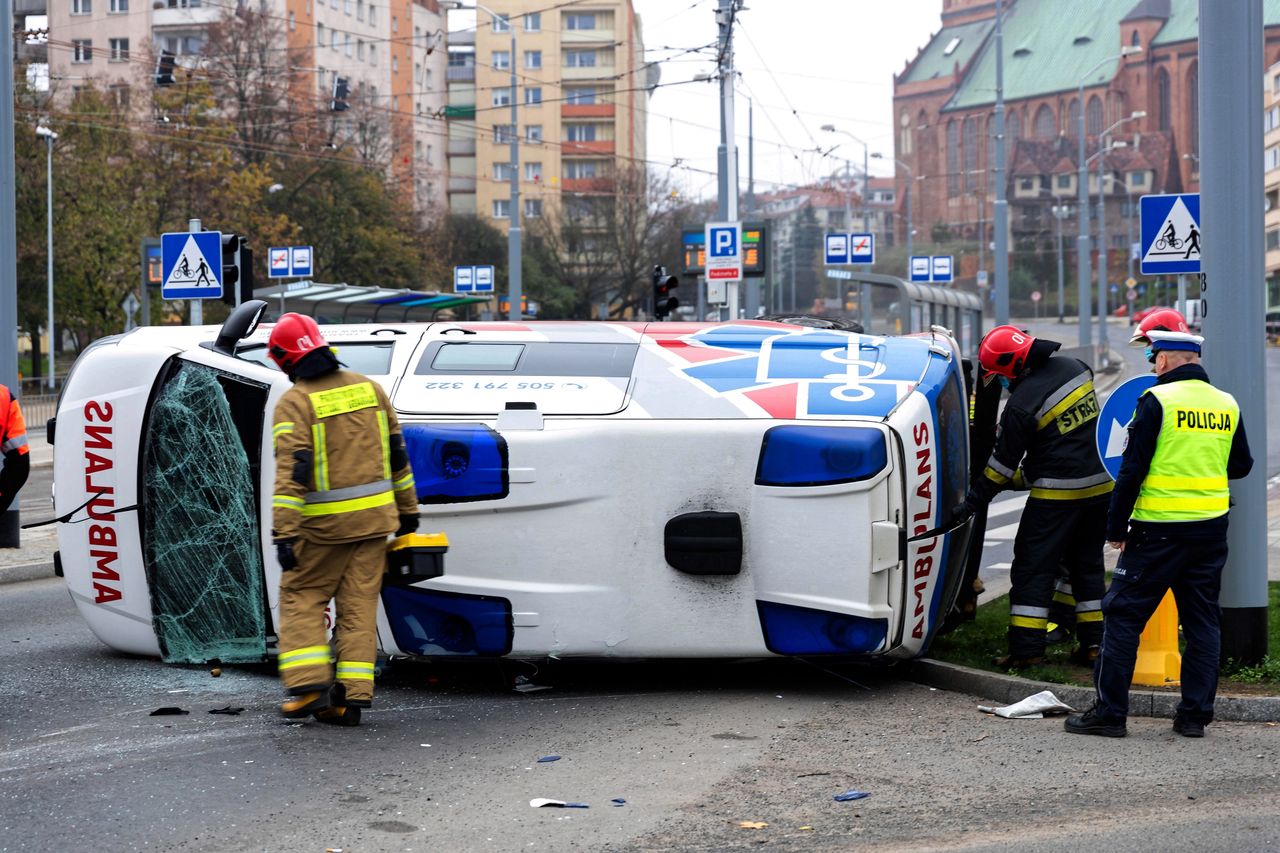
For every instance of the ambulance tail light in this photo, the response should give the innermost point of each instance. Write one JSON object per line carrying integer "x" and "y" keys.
{"x": 792, "y": 630}
{"x": 819, "y": 455}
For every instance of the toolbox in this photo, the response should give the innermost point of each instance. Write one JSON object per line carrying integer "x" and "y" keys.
{"x": 416, "y": 557}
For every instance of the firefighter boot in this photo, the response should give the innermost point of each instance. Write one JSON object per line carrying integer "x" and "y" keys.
{"x": 305, "y": 702}
{"x": 339, "y": 713}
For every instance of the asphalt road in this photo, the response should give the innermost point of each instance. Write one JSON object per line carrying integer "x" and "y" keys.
{"x": 448, "y": 760}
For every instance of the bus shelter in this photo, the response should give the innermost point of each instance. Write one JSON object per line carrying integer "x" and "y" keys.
{"x": 887, "y": 305}
{"x": 351, "y": 303}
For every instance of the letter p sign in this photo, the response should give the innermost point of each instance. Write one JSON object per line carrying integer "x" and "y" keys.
{"x": 724, "y": 242}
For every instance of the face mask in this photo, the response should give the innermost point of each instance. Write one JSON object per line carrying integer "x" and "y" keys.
{"x": 1004, "y": 382}
{"x": 1150, "y": 354}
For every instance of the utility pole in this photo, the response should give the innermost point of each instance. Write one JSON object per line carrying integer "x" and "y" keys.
{"x": 727, "y": 156}
{"x": 1103, "y": 302}
{"x": 9, "y": 530}
{"x": 1231, "y": 186}
{"x": 1002, "y": 204}
{"x": 515, "y": 272}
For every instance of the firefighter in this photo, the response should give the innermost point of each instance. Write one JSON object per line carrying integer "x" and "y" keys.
{"x": 342, "y": 484}
{"x": 14, "y": 447}
{"x": 1168, "y": 519}
{"x": 1047, "y": 428}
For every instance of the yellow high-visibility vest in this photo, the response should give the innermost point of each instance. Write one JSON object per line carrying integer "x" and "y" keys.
{"x": 1187, "y": 480}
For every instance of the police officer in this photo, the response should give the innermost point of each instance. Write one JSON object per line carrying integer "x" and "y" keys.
{"x": 1168, "y": 518}
{"x": 1047, "y": 428}
{"x": 14, "y": 447}
{"x": 342, "y": 478}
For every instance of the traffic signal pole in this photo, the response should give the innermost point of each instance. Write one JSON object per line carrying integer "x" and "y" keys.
{"x": 1231, "y": 190}
{"x": 727, "y": 207}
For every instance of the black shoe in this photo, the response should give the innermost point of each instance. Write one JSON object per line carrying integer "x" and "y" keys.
{"x": 1059, "y": 634}
{"x": 1188, "y": 728}
{"x": 1089, "y": 723}
{"x": 1012, "y": 661}
{"x": 340, "y": 715}
{"x": 1084, "y": 655}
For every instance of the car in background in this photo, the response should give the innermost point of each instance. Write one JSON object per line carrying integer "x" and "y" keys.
{"x": 1273, "y": 327}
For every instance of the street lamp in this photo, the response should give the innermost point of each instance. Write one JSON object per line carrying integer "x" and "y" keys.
{"x": 49, "y": 136}
{"x": 1082, "y": 179}
{"x": 1103, "y": 304}
{"x": 1060, "y": 212}
{"x": 514, "y": 255}
{"x": 910, "y": 179}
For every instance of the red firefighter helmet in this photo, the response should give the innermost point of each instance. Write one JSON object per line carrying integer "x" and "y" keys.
{"x": 1159, "y": 320}
{"x": 294, "y": 336}
{"x": 1003, "y": 351}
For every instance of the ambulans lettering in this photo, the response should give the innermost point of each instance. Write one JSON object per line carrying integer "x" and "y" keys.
{"x": 1203, "y": 420}
{"x": 99, "y": 483}
{"x": 921, "y": 522}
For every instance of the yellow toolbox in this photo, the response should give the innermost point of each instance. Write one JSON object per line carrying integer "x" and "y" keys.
{"x": 416, "y": 557}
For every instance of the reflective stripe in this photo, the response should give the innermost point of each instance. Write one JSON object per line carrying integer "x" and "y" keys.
{"x": 1000, "y": 468}
{"x": 1064, "y": 598}
{"x": 1024, "y": 610}
{"x": 405, "y": 482}
{"x": 1063, "y": 586}
{"x": 355, "y": 670}
{"x": 1185, "y": 504}
{"x": 281, "y": 428}
{"x": 1076, "y": 483}
{"x": 1074, "y": 397}
{"x": 307, "y": 656}
{"x": 1028, "y": 622}
{"x": 320, "y": 468}
{"x": 1085, "y": 606}
{"x": 287, "y": 502}
{"x": 1072, "y": 494}
{"x": 1052, "y": 402}
{"x": 1170, "y": 482}
{"x": 994, "y": 476}
{"x": 18, "y": 441}
{"x": 344, "y": 399}
{"x": 1089, "y": 616}
{"x": 353, "y": 505}
{"x": 384, "y": 441}
{"x": 348, "y": 492}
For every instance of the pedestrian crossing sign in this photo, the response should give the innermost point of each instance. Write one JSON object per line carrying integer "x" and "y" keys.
{"x": 1170, "y": 233}
{"x": 191, "y": 265}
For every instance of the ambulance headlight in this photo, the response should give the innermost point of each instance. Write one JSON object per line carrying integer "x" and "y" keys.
{"x": 820, "y": 455}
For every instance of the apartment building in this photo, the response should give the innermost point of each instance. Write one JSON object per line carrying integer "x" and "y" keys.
{"x": 580, "y": 95}
{"x": 389, "y": 54}
{"x": 1271, "y": 177}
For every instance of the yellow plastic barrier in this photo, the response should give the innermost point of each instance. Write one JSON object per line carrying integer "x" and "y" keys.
{"x": 1159, "y": 662}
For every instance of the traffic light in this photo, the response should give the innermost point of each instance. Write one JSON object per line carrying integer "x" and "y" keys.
{"x": 237, "y": 270}
{"x": 341, "y": 91}
{"x": 664, "y": 300}
{"x": 165, "y": 66}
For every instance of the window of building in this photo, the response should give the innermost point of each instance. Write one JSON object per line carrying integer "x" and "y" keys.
{"x": 417, "y": 70}
{"x": 970, "y": 154}
{"x": 320, "y": 34}
{"x": 1137, "y": 179}
{"x": 1073, "y": 117}
{"x": 1272, "y": 158}
{"x": 1271, "y": 119}
{"x": 533, "y": 133}
{"x": 373, "y": 54}
{"x": 502, "y": 97}
{"x": 346, "y": 44}
{"x": 501, "y": 60}
{"x": 502, "y": 171}
{"x": 1193, "y": 106}
{"x": 359, "y": 10}
{"x": 1273, "y": 239}
{"x": 1026, "y": 184}
{"x": 119, "y": 50}
{"x": 503, "y": 133}
{"x": 1046, "y": 125}
{"x": 1093, "y": 117}
{"x": 372, "y": 14}
{"x": 580, "y": 132}
{"x": 293, "y": 23}
{"x": 431, "y": 154}
{"x": 119, "y": 96}
{"x": 533, "y": 59}
{"x": 580, "y": 59}
{"x": 533, "y": 95}
{"x": 395, "y": 64}
{"x": 580, "y": 95}
{"x": 579, "y": 21}
{"x": 346, "y": 7}
{"x": 574, "y": 169}
{"x": 533, "y": 171}
{"x": 1064, "y": 181}
{"x": 360, "y": 49}
{"x": 501, "y": 23}
{"x": 118, "y": 6}
{"x": 395, "y": 22}
{"x": 82, "y": 7}
{"x": 333, "y": 39}
{"x": 533, "y": 22}
{"x": 533, "y": 208}
{"x": 1163, "y": 117}
{"x": 82, "y": 50}
{"x": 953, "y": 159}
{"x": 502, "y": 208}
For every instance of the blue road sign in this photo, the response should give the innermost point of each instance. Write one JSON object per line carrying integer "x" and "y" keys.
{"x": 1113, "y": 421}
{"x": 483, "y": 279}
{"x": 191, "y": 265}
{"x": 723, "y": 242}
{"x": 1170, "y": 233}
{"x": 300, "y": 261}
{"x": 837, "y": 251}
{"x": 1115, "y": 288}
{"x": 464, "y": 279}
{"x": 862, "y": 248}
{"x": 921, "y": 268}
{"x": 942, "y": 269}
{"x": 278, "y": 262}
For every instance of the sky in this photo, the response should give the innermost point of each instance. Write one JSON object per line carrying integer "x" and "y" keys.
{"x": 804, "y": 63}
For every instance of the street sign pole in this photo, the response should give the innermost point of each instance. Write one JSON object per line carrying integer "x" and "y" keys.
{"x": 1231, "y": 180}
{"x": 197, "y": 306}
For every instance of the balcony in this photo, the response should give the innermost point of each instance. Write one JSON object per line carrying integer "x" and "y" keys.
{"x": 461, "y": 184}
{"x": 200, "y": 16}
{"x": 570, "y": 149}
{"x": 586, "y": 38}
{"x": 586, "y": 185}
{"x": 461, "y": 147}
{"x": 586, "y": 110}
{"x": 460, "y": 74}
{"x": 589, "y": 72}
{"x": 464, "y": 112}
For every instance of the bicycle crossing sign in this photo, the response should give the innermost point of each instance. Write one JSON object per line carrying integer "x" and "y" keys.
{"x": 1170, "y": 233}
{"x": 191, "y": 265}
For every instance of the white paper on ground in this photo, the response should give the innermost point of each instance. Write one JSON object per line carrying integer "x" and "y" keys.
{"x": 1031, "y": 708}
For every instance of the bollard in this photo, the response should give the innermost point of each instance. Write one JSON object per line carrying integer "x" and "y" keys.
{"x": 1159, "y": 662}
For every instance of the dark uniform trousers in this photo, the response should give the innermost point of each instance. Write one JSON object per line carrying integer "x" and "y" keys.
{"x": 1152, "y": 564}
{"x": 1054, "y": 534}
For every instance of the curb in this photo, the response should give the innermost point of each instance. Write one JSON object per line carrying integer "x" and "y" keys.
{"x": 1007, "y": 689}
{"x": 26, "y": 572}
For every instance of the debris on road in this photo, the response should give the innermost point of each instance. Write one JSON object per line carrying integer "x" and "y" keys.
{"x": 522, "y": 684}
{"x": 543, "y": 802}
{"x": 229, "y": 711}
{"x": 851, "y": 795}
{"x": 168, "y": 711}
{"x": 618, "y": 801}
{"x": 752, "y": 824}
{"x": 1032, "y": 708}
{"x": 547, "y": 759}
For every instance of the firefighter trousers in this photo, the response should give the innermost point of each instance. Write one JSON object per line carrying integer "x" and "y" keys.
{"x": 349, "y": 573}
{"x": 1053, "y": 534}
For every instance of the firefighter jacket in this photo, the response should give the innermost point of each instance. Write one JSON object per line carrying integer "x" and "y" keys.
{"x": 342, "y": 473}
{"x": 1047, "y": 428}
{"x": 14, "y": 447}
{"x": 1186, "y": 441}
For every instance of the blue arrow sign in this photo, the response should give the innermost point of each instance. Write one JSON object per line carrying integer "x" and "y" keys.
{"x": 191, "y": 265}
{"x": 1113, "y": 420}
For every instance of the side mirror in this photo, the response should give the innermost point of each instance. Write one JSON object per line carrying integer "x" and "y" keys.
{"x": 240, "y": 324}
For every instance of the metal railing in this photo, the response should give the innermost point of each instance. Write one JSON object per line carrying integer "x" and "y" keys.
{"x": 37, "y": 409}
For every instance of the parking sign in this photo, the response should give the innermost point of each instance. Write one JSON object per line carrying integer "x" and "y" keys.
{"x": 724, "y": 251}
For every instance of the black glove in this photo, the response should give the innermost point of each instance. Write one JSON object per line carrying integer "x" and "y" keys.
{"x": 408, "y": 524}
{"x": 962, "y": 512}
{"x": 284, "y": 554}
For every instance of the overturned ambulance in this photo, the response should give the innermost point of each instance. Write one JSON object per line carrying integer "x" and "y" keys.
{"x": 744, "y": 489}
